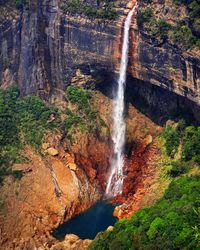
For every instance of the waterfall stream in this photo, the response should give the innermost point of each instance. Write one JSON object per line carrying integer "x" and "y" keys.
{"x": 115, "y": 180}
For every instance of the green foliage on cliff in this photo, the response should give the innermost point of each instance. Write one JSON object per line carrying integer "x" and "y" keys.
{"x": 186, "y": 136}
{"x": 84, "y": 117}
{"x": 144, "y": 16}
{"x": 181, "y": 33}
{"x": 157, "y": 28}
{"x": 181, "y": 144}
{"x": 191, "y": 144}
{"x": 105, "y": 11}
{"x": 17, "y": 3}
{"x": 79, "y": 96}
{"x": 178, "y": 168}
{"x": 33, "y": 116}
{"x": 193, "y": 8}
{"x": 172, "y": 139}
{"x": 172, "y": 223}
{"x": 22, "y": 121}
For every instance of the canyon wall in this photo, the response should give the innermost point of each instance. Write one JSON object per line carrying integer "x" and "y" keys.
{"x": 40, "y": 50}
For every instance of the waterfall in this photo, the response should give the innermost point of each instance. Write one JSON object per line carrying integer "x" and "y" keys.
{"x": 115, "y": 180}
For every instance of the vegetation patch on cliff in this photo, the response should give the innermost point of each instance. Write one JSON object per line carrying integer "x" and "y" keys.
{"x": 22, "y": 121}
{"x": 193, "y": 8}
{"x": 103, "y": 10}
{"x": 184, "y": 34}
{"x": 12, "y": 3}
{"x": 81, "y": 114}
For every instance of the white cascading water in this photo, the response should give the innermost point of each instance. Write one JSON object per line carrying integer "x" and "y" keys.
{"x": 115, "y": 180}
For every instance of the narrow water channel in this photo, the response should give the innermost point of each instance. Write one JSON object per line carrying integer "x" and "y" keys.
{"x": 89, "y": 223}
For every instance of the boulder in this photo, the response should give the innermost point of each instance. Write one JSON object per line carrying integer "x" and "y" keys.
{"x": 71, "y": 238}
{"x": 52, "y": 151}
{"x": 148, "y": 140}
{"x": 72, "y": 166}
{"x": 45, "y": 146}
{"x": 110, "y": 229}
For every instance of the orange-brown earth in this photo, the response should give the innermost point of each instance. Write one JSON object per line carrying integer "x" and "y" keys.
{"x": 66, "y": 179}
{"x": 141, "y": 165}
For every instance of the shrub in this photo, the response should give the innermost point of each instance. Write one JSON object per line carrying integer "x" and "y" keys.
{"x": 178, "y": 168}
{"x": 159, "y": 28}
{"x": 182, "y": 34}
{"x": 144, "y": 16}
{"x": 194, "y": 23}
{"x": 172, "y": 140}
{"x": 84, "y": 117}
{"x": 188, "y": 136}
{"x": 79, "y": 96}
{"x": 72, "y": 120}
{"x": 106, "y": 11}
{"x": 191, "y": 146}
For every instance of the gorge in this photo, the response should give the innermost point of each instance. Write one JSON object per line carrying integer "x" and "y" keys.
{"x": 99, "y": 97}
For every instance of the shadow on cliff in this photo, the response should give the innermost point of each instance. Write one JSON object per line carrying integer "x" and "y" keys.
{"x": 155, "y": 102}
{"x": 160, "y": 104}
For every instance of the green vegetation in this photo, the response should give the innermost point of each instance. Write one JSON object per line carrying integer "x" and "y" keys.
{"x": 22, "y": 121}
{"x": 172, "y": 137}
{"x": 194, "y": 14}
{"x": 188, "y": 136}
{"x": 181, "y": 144}
{"x": 172, "y": 223}
{"x": 144, "y": 16}
{"x": 83, "y": 117}
{"x": 34, "y": 120}
{"x": 191, "y": 145}
{"x": 181, "y": 33}
{"x": 25, "y": 121}
{"x": 17, "y": 3}
{"x": 157, "y": 28}
{"x": 178, "y": 168}
{"x": 106, "y": 11}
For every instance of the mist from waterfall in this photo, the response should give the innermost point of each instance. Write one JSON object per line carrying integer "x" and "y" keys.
{"x": 115, "y": 180}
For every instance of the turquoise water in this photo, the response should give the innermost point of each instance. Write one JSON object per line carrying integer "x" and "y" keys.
{"x": 87, "y": 224}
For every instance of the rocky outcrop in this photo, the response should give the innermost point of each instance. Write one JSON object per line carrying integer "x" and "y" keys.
{"x": 166, "y": 66}
{"x": 71, "y": 242}
{"x": 45, "y": 196}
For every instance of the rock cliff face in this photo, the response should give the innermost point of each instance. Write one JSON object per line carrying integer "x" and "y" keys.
{"x": 56, "y": 185}
{"x": 41, "y": 49}
{"x": 166, "y": 66}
